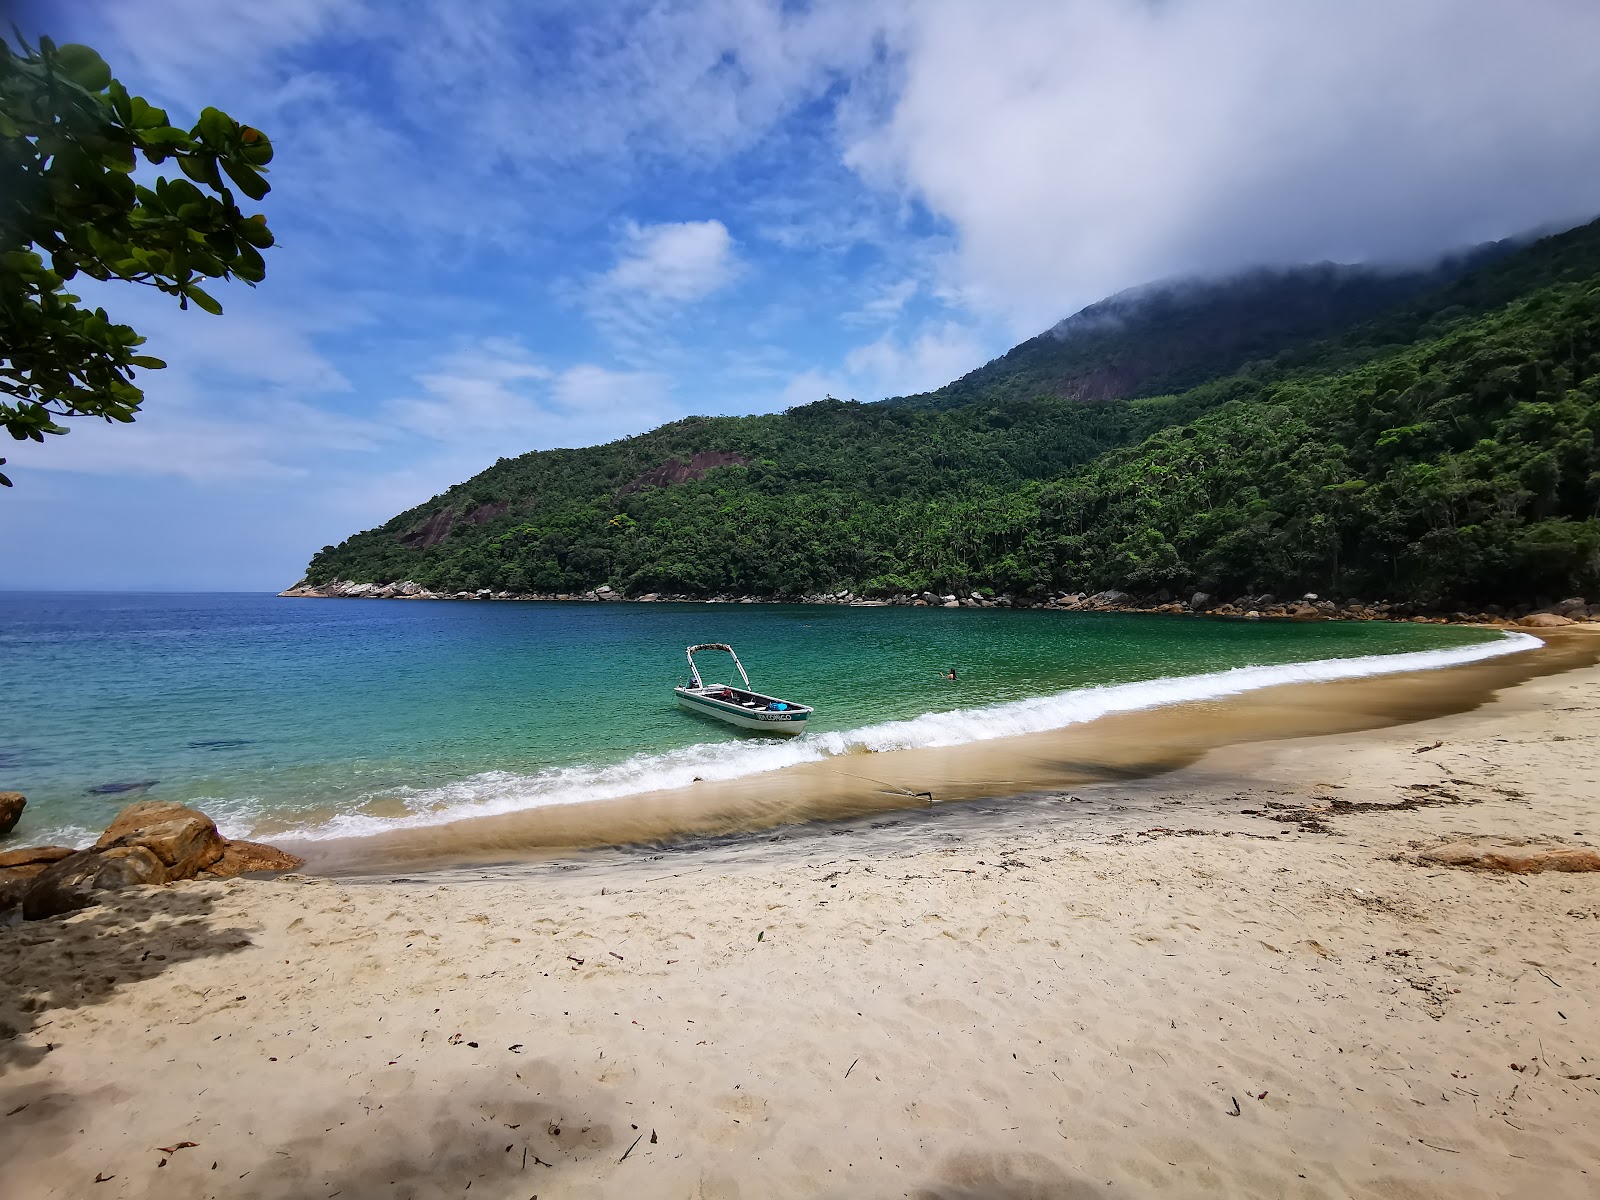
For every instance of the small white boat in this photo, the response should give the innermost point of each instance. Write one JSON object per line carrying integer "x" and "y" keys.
{"x": 740, "y": 706}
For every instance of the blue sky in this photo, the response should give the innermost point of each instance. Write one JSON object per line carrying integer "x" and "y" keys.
{"x": 507, "y": 226}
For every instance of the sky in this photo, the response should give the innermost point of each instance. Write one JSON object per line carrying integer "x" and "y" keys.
{"x": 510, "y": 225}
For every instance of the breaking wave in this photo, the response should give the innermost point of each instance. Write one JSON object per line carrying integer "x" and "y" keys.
{"x": 497, "y": 792}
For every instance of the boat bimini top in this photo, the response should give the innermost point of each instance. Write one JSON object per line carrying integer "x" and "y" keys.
{"x": 694, "y": 671}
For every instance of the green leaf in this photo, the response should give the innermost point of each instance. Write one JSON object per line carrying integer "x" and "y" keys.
{"x": 249, "y": 265}
{"x": 256, "y": 150}
{"x": 147, "y": 362}
{"x": 249, "y": 182}
{"x": 217, "y": 127}
{"x": 202, "y": 168}
{"x": 83, "y": 66}
{"x": 203, "y": 299}
{"x": 121, "y": 158}
{"x": 121, "y": 104}
{"x": 144, "y": 115}
{"x": 254, "y": 230}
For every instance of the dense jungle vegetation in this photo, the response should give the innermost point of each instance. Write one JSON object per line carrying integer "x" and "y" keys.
{"x": 1440, "y": 449}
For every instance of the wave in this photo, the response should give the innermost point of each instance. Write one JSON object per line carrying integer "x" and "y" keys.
{"x": 498, "y": 792}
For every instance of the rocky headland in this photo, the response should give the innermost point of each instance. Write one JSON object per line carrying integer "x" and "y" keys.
{"x": 1537, "y": 614}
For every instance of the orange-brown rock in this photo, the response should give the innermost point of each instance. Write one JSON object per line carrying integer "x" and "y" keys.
{"x": 71, "y": 883}
{"x": 124, "y": 866}
{"x": 184, "y": 839}
{"x": 1543, "y": 620}
{"x": 1515, "y": 860}
{"x": 15, "y": 882}
{"x": 19, "y": 868}
{"x": 43, "y": 856}
{"x": 241, "y": 858}
{"x": 62, "y": 887}
{"x": 11, "y": 806}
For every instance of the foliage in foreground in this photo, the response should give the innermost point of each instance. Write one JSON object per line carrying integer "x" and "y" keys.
{"x": 71, "y": 141}
{"x": 1446, "y": 450}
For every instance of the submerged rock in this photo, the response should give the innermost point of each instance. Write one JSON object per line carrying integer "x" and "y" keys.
{"x": 118, "y": 789}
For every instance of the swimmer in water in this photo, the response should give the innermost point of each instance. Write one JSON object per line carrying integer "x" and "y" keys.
{"x": 950, "y": 674}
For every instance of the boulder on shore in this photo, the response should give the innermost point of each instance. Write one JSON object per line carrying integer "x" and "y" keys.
{"x": 184, "y": 839}
{"x": 70, "y": 884}
{"x": 34, "y": 856}
{"x": 66, "y": 885}
{"x": 1512, "y": 859}
{"x": 11, "y": 806}
{"x": 240, "y": 858}
{"x": 124, "y": 866}
{"x": 1543, "y": 621}
{"x": 151, "y": 842}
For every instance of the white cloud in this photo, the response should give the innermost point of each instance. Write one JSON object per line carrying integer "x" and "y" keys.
{"x": 598, "y": 392}
{"x": 238, "y": 400}
{"x": 1078, "y": 148}
{"x": 680, "y": 261}
{"x": 891, "y": 365}
{"x": 884, "y": 304}
{"x": 478, "y": 389}
{"x": 494, "y": 398}
{"x": 639, "y": 80}
{"x": 660, "y": 270}
{"x": 937, "y": 354}
{"x": 185, "y": 438}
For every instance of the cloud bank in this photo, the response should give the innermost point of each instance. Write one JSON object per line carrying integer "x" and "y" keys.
{"x": 1078, "y": 148}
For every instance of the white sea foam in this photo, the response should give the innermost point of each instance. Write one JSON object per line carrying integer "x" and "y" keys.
{"x": 497, "y": 792}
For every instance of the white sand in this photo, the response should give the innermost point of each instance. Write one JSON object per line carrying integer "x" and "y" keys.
{"x": 1033, "y": 1000}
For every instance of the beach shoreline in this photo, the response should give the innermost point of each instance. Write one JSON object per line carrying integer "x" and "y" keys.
{"x": 1233, "y": 978}
{"x": 1147, "y": 742}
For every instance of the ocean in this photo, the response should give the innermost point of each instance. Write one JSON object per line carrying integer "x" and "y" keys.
{"x": 316, "y": 719}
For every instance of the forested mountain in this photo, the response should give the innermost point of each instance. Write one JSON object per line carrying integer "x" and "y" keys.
{"x": 1305, "y": 437}
{"x": 1171, "y": 336}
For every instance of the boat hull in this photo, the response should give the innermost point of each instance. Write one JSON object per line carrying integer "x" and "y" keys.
{"x": 772, "y": 724}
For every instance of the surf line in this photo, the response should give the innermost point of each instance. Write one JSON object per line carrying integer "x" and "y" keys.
{"x": 497, "y": 793}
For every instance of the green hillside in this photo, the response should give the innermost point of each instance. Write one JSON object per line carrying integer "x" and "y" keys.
{"x": 1444, "y": 447}
{"x": 1169, "y": 337}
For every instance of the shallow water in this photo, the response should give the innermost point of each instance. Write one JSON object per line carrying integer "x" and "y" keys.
{"x": 321, "y": 719}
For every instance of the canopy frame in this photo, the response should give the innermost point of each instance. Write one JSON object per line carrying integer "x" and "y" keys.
{"x": 694, "y": 671}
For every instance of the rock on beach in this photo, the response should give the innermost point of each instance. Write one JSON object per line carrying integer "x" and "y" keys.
{"x": 1514, "y": 859}
{"x": 11, "y": 806}
{"x": 151, "y": 842}
{"x": 184, "y": 839}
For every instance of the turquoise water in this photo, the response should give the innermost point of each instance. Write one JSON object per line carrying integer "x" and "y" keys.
{"x": 340, "y": 717}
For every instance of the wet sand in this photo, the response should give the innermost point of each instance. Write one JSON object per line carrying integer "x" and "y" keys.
{"x": 1231, "y": 979}
{"x": 1121, "y": 747}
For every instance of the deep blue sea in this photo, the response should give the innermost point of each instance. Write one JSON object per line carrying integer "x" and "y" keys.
{"x": 330, "y": 717}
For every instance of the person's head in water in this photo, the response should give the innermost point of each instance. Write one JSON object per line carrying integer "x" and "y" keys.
{"x": 950, "y": 674}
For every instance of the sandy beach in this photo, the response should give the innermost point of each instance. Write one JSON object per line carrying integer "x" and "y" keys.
{"x": 1231, "y": 978}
